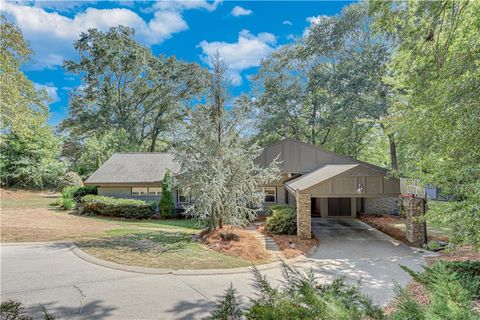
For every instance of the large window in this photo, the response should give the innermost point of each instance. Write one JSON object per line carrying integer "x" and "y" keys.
{"x": 270, "y": 194}
{"x": 182, "y": 197}
{"x": 153, "y": 191}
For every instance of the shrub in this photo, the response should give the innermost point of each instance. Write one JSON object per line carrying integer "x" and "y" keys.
{"x": 467, "y": 273}
{"x": 300, "y": 298}
{"x": 167, "y": 206}
{"x": 65, "y": 201}
{"x": 448, "y": 298}
{"x": 113, "y": 207}
{"x": 282, "y": 219}
{"x": 80, "y": 192}
{"x": 70, "y": 179}
{"x": 14, "y": 310}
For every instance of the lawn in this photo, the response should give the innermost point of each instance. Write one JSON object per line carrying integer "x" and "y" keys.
{"x": 33, "y": 216}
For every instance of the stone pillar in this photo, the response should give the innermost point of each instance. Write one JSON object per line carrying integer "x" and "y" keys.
{"x": 414, "y": 221}
{"x": 304, "y": 217}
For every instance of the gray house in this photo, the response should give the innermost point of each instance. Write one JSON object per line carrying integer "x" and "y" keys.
{"x": 318, "y": 182}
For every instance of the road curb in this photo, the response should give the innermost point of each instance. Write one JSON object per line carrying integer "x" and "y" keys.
{"x": 178, "y": 272}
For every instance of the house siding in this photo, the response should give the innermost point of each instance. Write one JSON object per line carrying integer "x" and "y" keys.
{"x": 126, "y": 193}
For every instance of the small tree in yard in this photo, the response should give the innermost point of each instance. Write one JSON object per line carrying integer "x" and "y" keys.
{"x": 166, "y": 206}
{"x": 219, "y": 172}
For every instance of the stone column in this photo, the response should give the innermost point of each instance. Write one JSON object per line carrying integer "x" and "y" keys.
{"x": 414, "y": 221}
{"x": 304, "y": 217}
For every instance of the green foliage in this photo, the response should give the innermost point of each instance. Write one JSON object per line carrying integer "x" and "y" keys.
{"x": 167, "y": 206}
{"x": 282, "y": 219}
{"x": 98, "y": 148}
{"x": 448, "y": 298}
{"x": 83, "y": 191}
{"x": 228, "y": 307}
{"x": 467, "y": 273}
{"x": 125, "y": 87}
{"x": 14, "y": 310}
{"x": 113, "y": 207}
{"x": 70, "y": 178}
{"x": 219, "y": 169}
{"x": 66, "y": 200}
{"x": 301, "y": 298}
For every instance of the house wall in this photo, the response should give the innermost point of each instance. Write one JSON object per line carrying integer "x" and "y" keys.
{"x": 382, "y": 205}
{"x": 126, "y": 193}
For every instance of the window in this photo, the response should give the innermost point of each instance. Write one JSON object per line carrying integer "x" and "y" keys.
{"x": 270, "y": 194}
{"x": 155, "y": 191}
{"x": 182, "y": 197}
{"x": 139, "y": 191}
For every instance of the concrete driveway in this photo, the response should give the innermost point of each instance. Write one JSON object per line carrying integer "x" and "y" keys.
{"x": 350, "y": 248}
{"x": 72, "y": 288}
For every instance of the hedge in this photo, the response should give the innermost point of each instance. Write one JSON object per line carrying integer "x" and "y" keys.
{"x": 282, "y": 219}
{"x": 114, "y": 207}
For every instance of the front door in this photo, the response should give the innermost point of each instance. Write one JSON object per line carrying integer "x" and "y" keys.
{"x": 338, "y": 207}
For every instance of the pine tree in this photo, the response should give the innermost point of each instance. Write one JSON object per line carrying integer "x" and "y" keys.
{"x": 228, "y": 307}
{"x": 219, "y": 171}
{"x": 166, "y": 206}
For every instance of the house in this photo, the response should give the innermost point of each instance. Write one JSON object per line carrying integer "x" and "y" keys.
{"x": 318, "y": 182}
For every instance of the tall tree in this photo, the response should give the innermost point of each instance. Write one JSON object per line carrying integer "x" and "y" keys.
{"x": 29, "y": 150}
{"x": 327, "y": 88}
{"x": 435, "y": 72}
{"x": 219, "y": 172}
{"x": 124, "y": 86}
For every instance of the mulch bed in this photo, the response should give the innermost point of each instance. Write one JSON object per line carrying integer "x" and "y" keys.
{"x": 463, "y": 253}
{"x": 248, "y": 247}
{"x": 291, "y": 245}
{"x": 386, "y": 225}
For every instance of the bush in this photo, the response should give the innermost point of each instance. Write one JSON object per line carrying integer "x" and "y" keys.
{"x": 282, "y": 219}
{"x": 70, "y": 179}
{"x": 113, "y": 207}
{"x": 14, "y": 310}
{"x": 299, "y": 298}
{"x": 167, "y": 206}
{"x": 80, "y": 192}
{"x": 467, "y": 273}
{"x": 448, "y": 298}
{"x": 71, "y": 195}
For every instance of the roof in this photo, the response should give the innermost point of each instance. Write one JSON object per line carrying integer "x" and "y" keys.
{"x": 138, "y": 167}
{"x": 320, "y": 175}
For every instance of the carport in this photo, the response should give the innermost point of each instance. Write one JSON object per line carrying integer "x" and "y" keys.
{"x": 337, "y": 190}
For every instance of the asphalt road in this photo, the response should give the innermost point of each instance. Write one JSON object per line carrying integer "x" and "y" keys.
{"x": 72, "y": 288}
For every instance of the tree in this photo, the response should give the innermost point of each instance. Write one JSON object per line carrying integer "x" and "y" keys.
{"x": 124, "y": 86}
{"x": 98, "y": 148}
{"x": 436, "y": 75}
{"x": 228, "y": 307}
{"x": 167, "y": 206}
{"x": 328, "y": 88}
{"x": 29, "y": 151}
{"x": 218, "y": 168}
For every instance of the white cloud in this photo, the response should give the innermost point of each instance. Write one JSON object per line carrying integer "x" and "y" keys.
{"x": 313, "y": 21}
{"x": 51, "y": 34}
{"x": 287, "y": 22}
{"x": 247, "y": 52}
{"x": 51, "y": 89}
{"x": 239, "y": 11}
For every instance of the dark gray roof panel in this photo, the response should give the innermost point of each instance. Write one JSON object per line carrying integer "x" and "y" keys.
{"x": 134, "y": 168}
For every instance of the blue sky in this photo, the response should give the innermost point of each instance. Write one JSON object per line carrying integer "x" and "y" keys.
{"x": 242, "y": 31}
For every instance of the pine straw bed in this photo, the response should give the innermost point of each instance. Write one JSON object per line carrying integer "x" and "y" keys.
{"x": 291, "y": 245}
{"x": 248, "y": 247}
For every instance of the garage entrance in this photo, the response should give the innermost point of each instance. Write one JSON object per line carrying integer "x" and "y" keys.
{"x": 339, "y": 207}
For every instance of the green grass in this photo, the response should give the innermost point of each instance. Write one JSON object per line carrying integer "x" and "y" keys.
{"x": 159, "y": 249}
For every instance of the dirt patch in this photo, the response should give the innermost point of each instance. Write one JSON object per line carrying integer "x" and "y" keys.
{"x": 248, "y": 247}
{"x": 389, "y": 224}
{"x": 291, "y": 245}
{"x": 29, "y": 216}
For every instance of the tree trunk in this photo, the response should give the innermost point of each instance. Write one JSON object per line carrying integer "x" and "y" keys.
{"x": 393, "y": 152}
{"x": 220, "y": 223}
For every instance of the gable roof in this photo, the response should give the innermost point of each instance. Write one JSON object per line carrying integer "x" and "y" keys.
{"x": 138, "y": 167}
{"x": 318, "y": 176}
{"x": 301, "y": 157}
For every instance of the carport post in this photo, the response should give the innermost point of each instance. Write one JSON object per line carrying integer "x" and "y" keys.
{"x": 304, "y": 217}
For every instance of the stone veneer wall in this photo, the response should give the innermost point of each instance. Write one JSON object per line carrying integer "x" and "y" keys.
{"x": 415, "y": 224}
{"x": 304, "y": 218}
{"x": 382, "y": 205}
